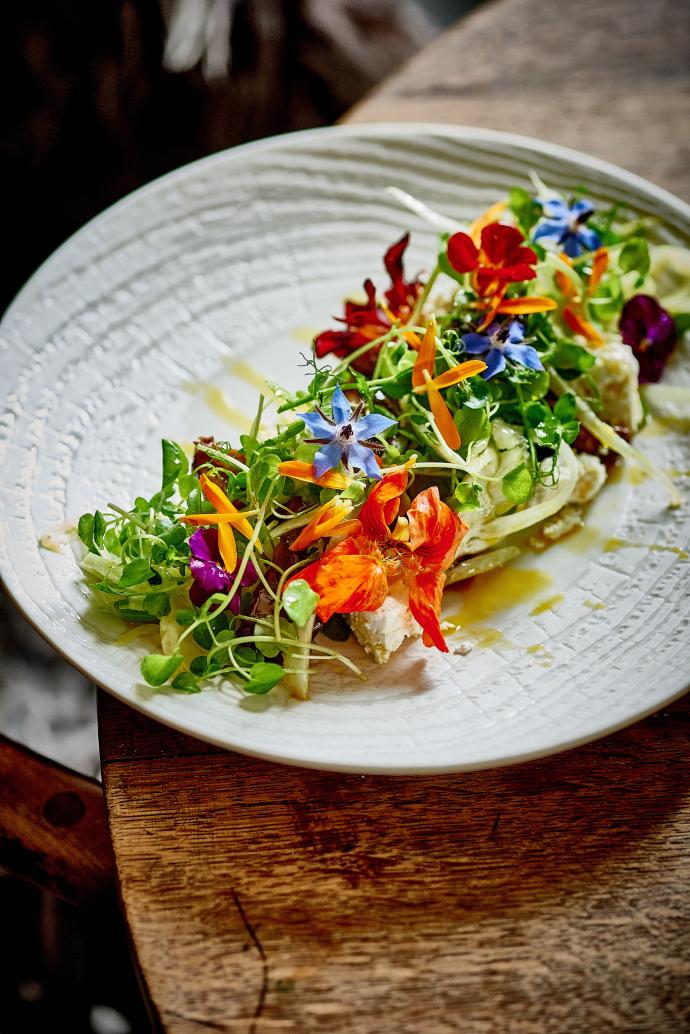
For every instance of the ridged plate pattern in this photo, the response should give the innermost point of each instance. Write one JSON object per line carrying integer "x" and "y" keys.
{"x": 120, "y": 339}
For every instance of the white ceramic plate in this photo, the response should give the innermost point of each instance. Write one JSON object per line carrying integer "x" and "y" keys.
{"x": 157, "y": 319}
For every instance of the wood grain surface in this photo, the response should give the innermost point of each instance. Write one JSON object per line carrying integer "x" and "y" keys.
{"x": 549, "y": 898}
{"x": 610, "y": 77}
{"x": 53, "y": 828}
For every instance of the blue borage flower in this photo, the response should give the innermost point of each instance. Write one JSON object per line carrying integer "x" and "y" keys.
{"x": 499, "y": 342}
{"x": 564, "y": 225}
{"x": 344, "y": 436}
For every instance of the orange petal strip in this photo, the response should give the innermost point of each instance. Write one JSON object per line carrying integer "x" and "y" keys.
{"x": 523, "y": 306}
{"x": 599, "y": 264}
{"x": 580, "y": 326}
{"x": 218, "y": 499}
{"x": 301, "y": 471}
{"x": 200, "y": 519}
{"x": 426, "y": 356}
{"x": 227, "y": 547}
{"x": 490, "y": 216}
{"x": 564, "y": 284}
{"x": 443, "y": 417}
{"x": 453, "y": 376}
{"x": 322, "y": 524}
{"x": 494, "y": 306}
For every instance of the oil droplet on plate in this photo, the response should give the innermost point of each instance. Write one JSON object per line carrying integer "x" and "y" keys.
{"x": 547, "y": 604}
{"x": 614, "y": 544}
{"x": 594, "y": 604}
{"x": 216, "y": 402}
{"x": 305, "y": 335}
{"x": 246, "y": 372}
{"x": 490, "y": 593}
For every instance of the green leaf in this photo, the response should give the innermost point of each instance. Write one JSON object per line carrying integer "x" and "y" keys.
{"x": 157, "y": 668}
{"x": 199, "y": 666}
{"x": 202, "y": 637}
{"x": 473, "y": 424}
{"x": 186, "y": 483}
{"x": 569, "y": 356}
{"x": 467, "y": 496}
{"x": 157, "y": 604}
{"x": 184, "y": 617}
{"x": 398, "y": 386}
{"x": 299, "y": 601}
{"x": 175, "y": 462}
{"x": 269, "y": 649}
{"x": 566, "y": 408}
{"x": 134, "y": 573}
{"x": 185, "y": 682}
{"x": 517, "y": 484}
{"x": 526, "y": 210}
{"x": 635, "y": 255}
{"x": 85, "y": 530}
{"x": 99, "y": 529}
{"x": 263, "y": 677}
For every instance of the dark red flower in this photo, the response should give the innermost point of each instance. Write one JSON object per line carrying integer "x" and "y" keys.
{"x": 366, "y": 321}
{"x": 650, "y": 332}
{"x": 501, "y": 258}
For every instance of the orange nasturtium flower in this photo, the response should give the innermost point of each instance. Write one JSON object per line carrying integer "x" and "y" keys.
{"x": 226, "y": 517}
{"x": 329, "y": 519}
{"x": 423, "y": 380}
{"x": 356, "y": 574}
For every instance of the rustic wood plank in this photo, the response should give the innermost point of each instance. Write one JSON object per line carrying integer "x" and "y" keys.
{"x": 53, "y": 828}
{"x": 549, "y": 897}
{"x": 612, "y": 79}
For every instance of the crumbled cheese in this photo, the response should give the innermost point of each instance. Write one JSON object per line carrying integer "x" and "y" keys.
{"x": 564, "y": 522}
{"x": 591, "y": 478}
{"x": 616, "y": 374}
{"x": 383, "y": 631}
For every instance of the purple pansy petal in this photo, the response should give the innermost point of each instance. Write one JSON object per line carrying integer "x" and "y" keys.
{"x": 651, "y": 333}
{"x": 209, "y": 576}
{"x": 203, "y": 544}
{"x": 476, "y": 344}
{"x": 340, "y": 407}
{"x": 371, "y": 425}
{"x": 525, "y": 355}
{"x": 495, "y": 363}
{"x": 319, "y": 427}
{"x": 327, "y": 458}
{"x": 361, "y": 458}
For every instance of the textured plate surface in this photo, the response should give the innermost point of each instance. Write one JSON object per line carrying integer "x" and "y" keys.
{"x": 158, "y": 318}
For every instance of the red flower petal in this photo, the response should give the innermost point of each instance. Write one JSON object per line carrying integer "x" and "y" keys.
{"x": 435, "y": 530}
{"x": 382, "y": 505}
{"x": 502, "y": 245}
{"x": 425, "y": 598}
{"x": 463, "y": 254}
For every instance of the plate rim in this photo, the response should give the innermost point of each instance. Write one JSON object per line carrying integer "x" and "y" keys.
{"x": 33, "y": 286}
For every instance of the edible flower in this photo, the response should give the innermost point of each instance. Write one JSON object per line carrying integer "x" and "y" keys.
{"x": 226, "y": 516}
{"x": 356, "y": 574}
{"x": 501, "y": 257}
{"x": 329, "y": 519}
{"x": 301, "y": 471}
{"x": 502, "y": 341}
{"x": 208, "y": 573}
{"x": 423, "y": 380}
{"x": 651, "y": 333}
{"x": 344, "y": 436}
{"x": 579, "y": 325}
{"x": 564, "y": 226}
{"x": 365, "y": 321}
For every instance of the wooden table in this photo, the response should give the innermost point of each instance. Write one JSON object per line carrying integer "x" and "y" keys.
{"x": 549, "y": 897}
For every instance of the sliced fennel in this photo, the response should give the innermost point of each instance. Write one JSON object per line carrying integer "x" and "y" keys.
{"x": 550, "y": 502}
{"x": 670, "y": 403}
{"x": 605, "y": 434}
{"x": 429, "y": 215}
{"x": 481, "y": 564}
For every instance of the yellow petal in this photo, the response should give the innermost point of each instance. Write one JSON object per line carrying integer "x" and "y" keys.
{"x": 227, "y": 547}
{"x": 217, "y": 497}
{"x": 456, "y": 374}
{"x": 443, "y": 417}
{"x": 301, "y": 471}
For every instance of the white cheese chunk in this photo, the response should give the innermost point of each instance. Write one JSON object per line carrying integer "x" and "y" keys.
{"x": 383, "y": 631}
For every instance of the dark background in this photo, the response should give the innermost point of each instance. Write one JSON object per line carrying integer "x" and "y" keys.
{"x": 90, "y": 112}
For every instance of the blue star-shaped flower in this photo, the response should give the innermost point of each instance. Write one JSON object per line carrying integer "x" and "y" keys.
{"x": 344, "y": 436}
{"x": 564, "y": 225}
{"x": 500, "y": 342}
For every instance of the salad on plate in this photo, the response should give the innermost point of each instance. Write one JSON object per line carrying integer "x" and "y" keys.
{"x": 445, "y": 424}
